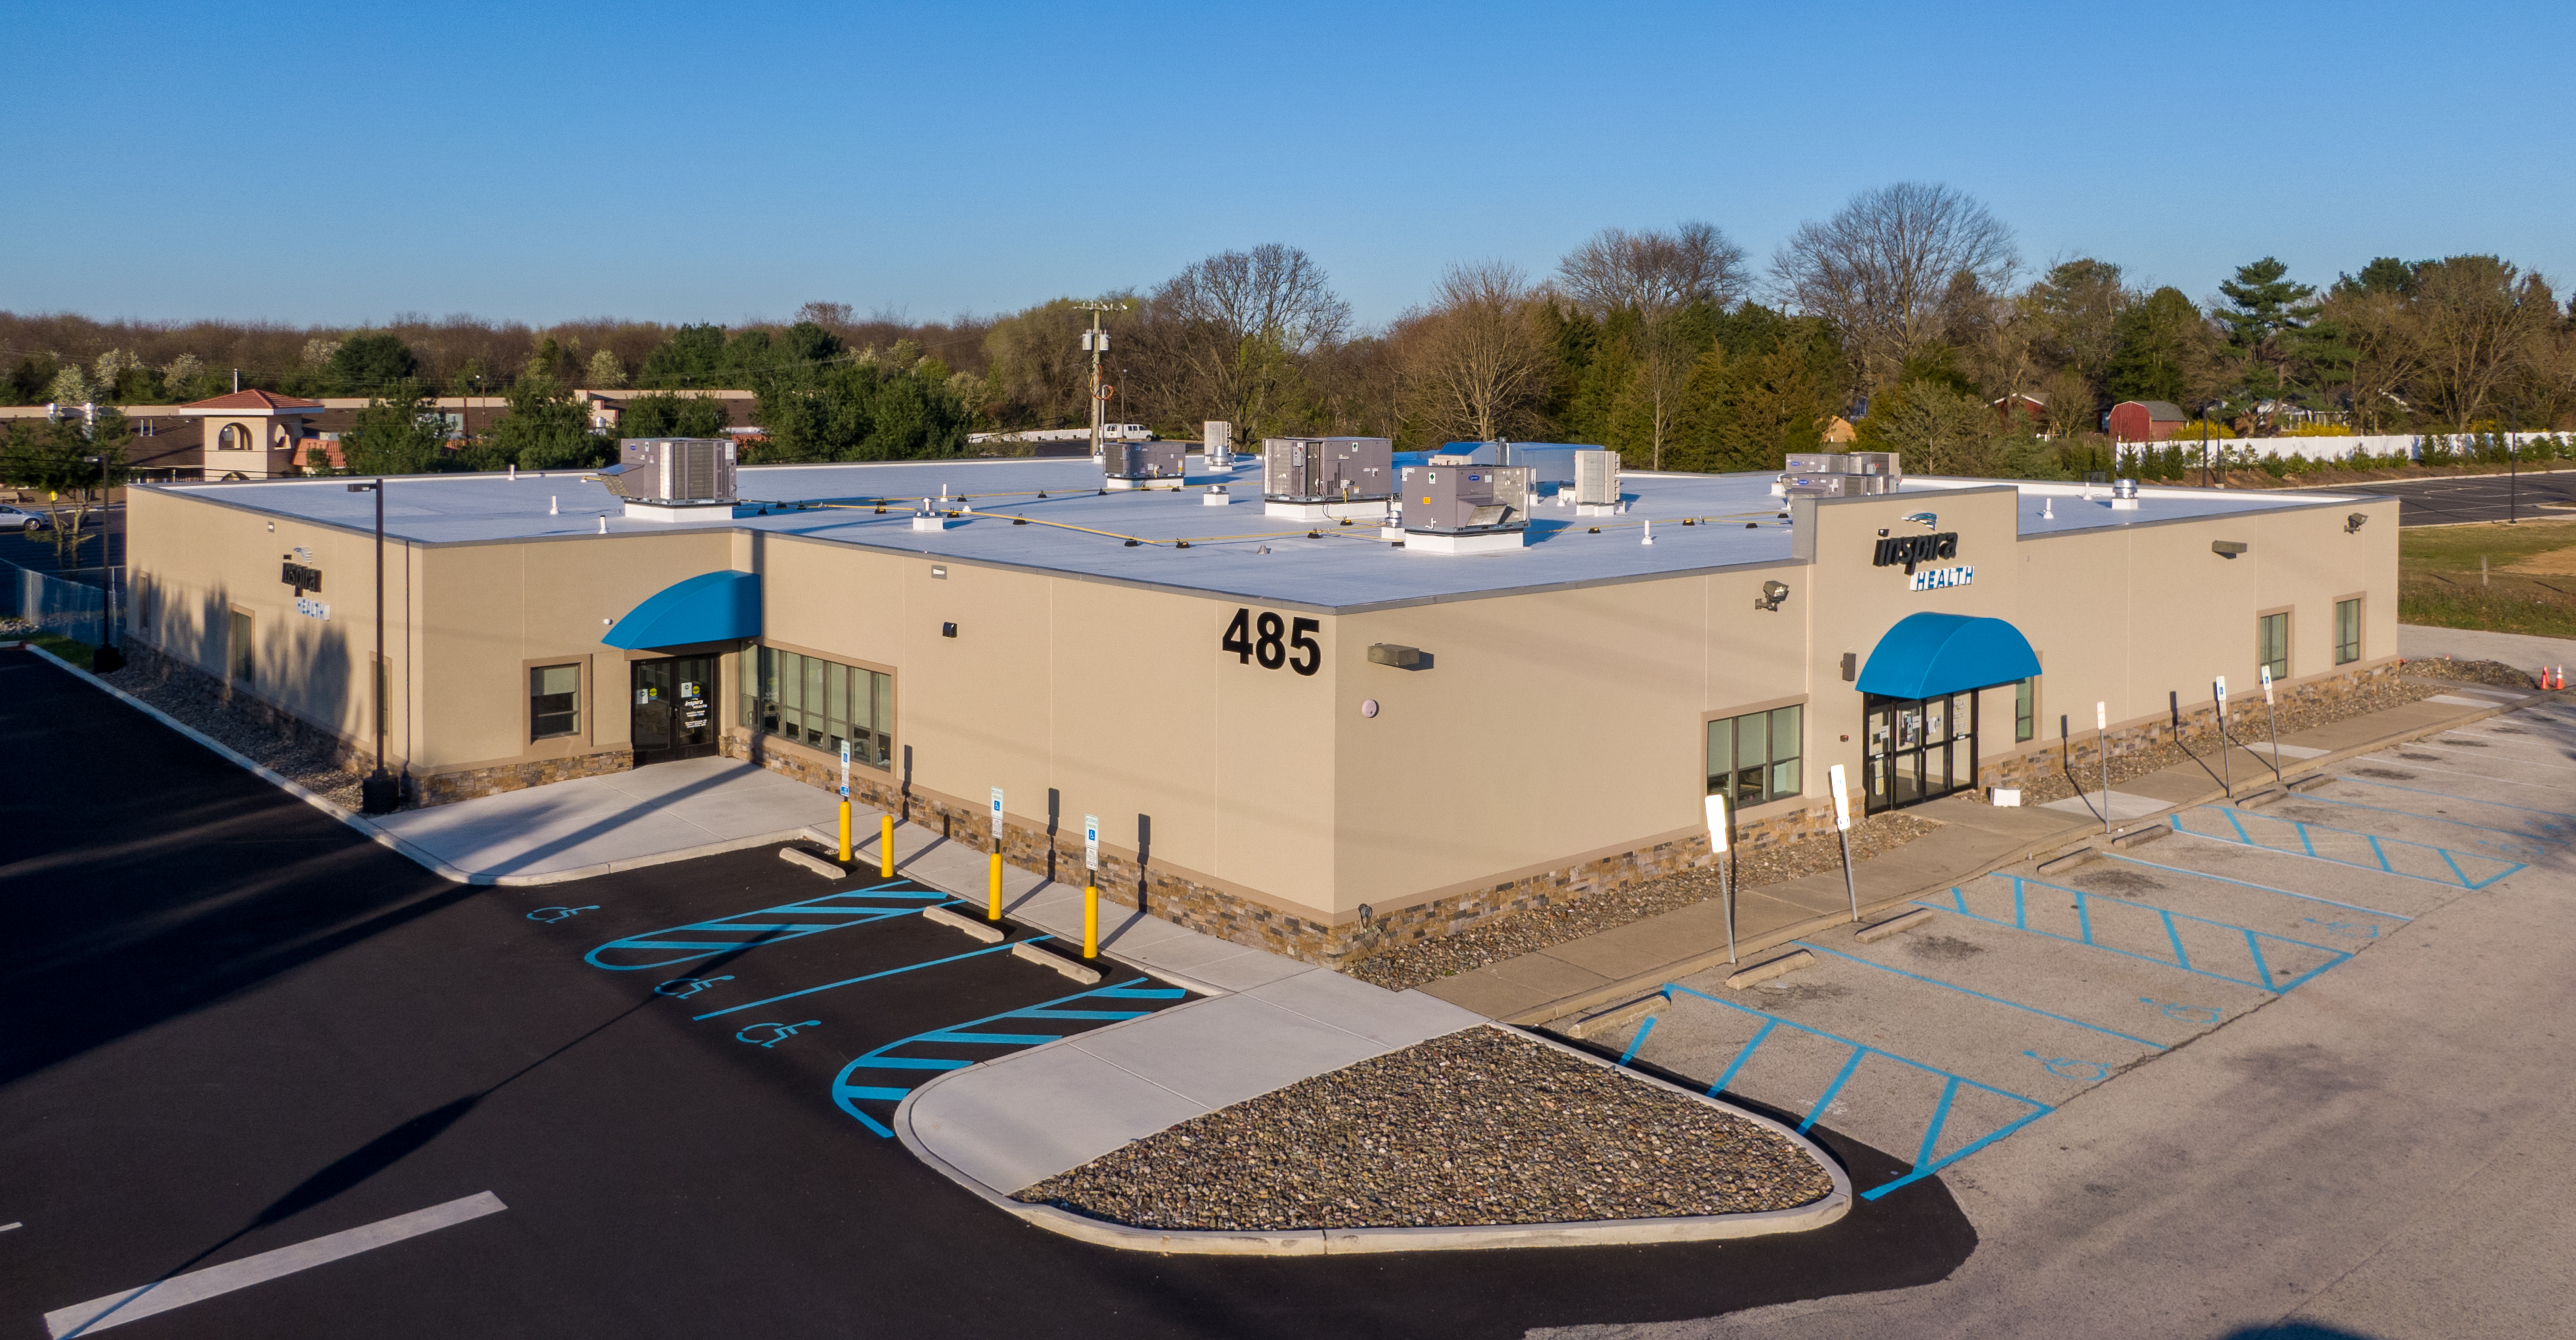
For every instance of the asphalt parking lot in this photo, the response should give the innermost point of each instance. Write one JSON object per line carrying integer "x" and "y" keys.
{"x": 238, "y": 1032}
{"x": 2025, "y": 991}
{"x": 2450, "y": 501}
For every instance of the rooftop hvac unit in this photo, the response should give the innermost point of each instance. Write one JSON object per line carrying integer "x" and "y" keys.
{"x": 1443, "y": 500}
{"x": 672, "y": 469}
{"x": 1596, "y": 478}
{"x": 1826, "y": 474}
{"x": 1327, "y": 469}
{"x": 1136, "y": 464}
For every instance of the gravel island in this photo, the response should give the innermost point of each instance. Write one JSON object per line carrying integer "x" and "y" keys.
{"x": 1482, "y": 1126}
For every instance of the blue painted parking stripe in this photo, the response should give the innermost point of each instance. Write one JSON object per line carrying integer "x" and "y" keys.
{"x": 769, "y": 925}
{"x": 2247, "y": 883}
{"x": 2446, "y": 795}
{"x": 847, "y": 1094}
{"x": 1769, "y": 1022}
{"x": 2008, "y": 1004}
{"x": 1825, "y": 1099}
{"x": 1639, "y": 1040}
{"x": 869, "y": 977}
{"x": 2262, "y": 981}
{"x": 2436, "y": 818}
{"x": 2377, "y": 844}
{"x": 1924, "y": 1164}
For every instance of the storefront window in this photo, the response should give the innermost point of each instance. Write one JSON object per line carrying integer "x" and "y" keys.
{"x": 2272, "y": 644}
{"x": 2025, "y": 709}
{"x": 2347, "y": 632}
{"x": 554, "y": 701}
{"x": 819, "y": 703}
{"x": 1756, "y": 758}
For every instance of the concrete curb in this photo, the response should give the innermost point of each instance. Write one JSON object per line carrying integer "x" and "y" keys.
{"x": 2305, "y": 771}
{"x": 1350, "y": 1241}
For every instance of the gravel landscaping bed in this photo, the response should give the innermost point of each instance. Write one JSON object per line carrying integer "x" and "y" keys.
{"x": 1519, "y": 933}
{"x": 1482, "y": 1126}
{"x": 2495, "y": 673}
{"x": 308, "y": 767}
{"x": 2246, "y": 722}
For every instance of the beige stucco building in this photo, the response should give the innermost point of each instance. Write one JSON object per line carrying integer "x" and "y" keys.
{"x": 1256, "y": 770}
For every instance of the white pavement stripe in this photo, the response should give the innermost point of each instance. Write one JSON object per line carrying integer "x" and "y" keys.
{"x": 126, "y": 1305}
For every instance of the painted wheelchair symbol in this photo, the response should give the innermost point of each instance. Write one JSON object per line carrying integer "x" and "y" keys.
{"x": 689, "y": 986}
{"x": 780, "y": 1032}
{"x": 551, "y": 915}
{"x": 2066, "y": 1068}
{"x": 2368, "y": 930}
{"x": 2182, "y": 1014}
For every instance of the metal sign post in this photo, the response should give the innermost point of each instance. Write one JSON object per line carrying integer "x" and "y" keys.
{"x": 1842, "y": 829}
{"x": 2226, "y": 765}
{"x": 2102, "y": 750}
{"x": 1719, "y": 847}
{"x": 993, "y": 896}
{"x": 845, "y": 802}
{"x": 2272, "y": 722}
{"x": 1091, "y": 886}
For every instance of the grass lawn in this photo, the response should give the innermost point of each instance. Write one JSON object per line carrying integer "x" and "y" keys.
{"x": 2529, "y": 585}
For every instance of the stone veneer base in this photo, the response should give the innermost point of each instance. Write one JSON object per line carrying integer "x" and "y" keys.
{"x": 437, "y": 788}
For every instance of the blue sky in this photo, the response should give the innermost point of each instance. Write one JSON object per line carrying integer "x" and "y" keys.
{"x": 344, "y": 163}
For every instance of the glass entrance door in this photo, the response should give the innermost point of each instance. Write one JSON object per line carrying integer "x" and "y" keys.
{"x": 1917, "y": 749}
{"x": 674, "y": 709}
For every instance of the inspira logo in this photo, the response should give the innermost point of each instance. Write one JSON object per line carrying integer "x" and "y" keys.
{"x": 1912, "y": 549}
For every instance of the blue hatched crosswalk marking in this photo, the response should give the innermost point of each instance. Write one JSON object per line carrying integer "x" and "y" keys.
{"x": 764, "y": 925}
{"x": 2528, "y": 839}
{"x": 1925, "y": 1164}
{"x": 2323, "y": 842}
{"x": 848, "y": 1095}
{"x": 2349, "y": 780}
{"x": 872, "y": 976}
{"x": 2171, "y": 922}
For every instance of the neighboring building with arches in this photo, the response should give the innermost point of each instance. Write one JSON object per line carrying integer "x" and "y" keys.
{"x": 252, "y": 434}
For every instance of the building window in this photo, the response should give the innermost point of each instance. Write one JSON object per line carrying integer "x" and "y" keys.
{"x": 238, "y": 659}
{"x": 2347, "y": 631}
{"x": 2025, "y": 709}
{"x": 1755, "y": 758}
{"x": 819, "y": 703}
{"x": 554, "y": 701}
{"x": 2272, "y": 644}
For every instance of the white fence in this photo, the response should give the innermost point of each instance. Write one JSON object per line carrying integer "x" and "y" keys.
{"x": 2413, "y": 446}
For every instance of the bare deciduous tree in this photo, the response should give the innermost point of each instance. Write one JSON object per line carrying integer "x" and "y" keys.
{"x": 1654, "y": 273}
{"x": 1881, "y": 268}
{"x": 1656, "y": 276}
{"x": 2480, "y": 316}
{"x": 1476, "y": 364}
{"x": 1225, "y": 338}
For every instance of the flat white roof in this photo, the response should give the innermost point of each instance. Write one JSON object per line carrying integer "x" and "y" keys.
{"x": 1736, "y": 522}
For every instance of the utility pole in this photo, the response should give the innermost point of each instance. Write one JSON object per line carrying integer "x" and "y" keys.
{"x": 1097, "y": 341}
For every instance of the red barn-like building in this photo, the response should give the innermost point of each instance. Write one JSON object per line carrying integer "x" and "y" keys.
{"x": 2145, "y": 420}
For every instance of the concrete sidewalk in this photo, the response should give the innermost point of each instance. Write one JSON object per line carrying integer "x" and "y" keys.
{"x": 594, "y": 825}
{"x": 1618, "y": 965}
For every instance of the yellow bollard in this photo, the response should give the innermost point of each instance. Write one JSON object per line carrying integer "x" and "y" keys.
{"x": 885, "y": 848}
{"x": 1091, "y": 921}
{"x": 845, "y": 832}
{"x": 993, "y": 905}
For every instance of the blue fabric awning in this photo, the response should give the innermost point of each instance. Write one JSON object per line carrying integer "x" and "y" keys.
{"x": 1927, "y": 655}
{"x": 710, "y": 607}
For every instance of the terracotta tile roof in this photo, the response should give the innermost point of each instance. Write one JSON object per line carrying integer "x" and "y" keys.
{"x": 255, "y": 402}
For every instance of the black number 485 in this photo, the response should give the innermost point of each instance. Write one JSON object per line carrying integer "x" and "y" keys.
{"x": 1269, "y": 648}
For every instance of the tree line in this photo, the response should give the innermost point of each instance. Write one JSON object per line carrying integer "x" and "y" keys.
{"x": 1908, "y": 312}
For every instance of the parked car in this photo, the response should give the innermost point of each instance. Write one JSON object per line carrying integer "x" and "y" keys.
{"x": 20, "y": 519}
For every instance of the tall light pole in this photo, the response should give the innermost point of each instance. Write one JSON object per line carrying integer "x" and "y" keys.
{"x": 377, "y": 792}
